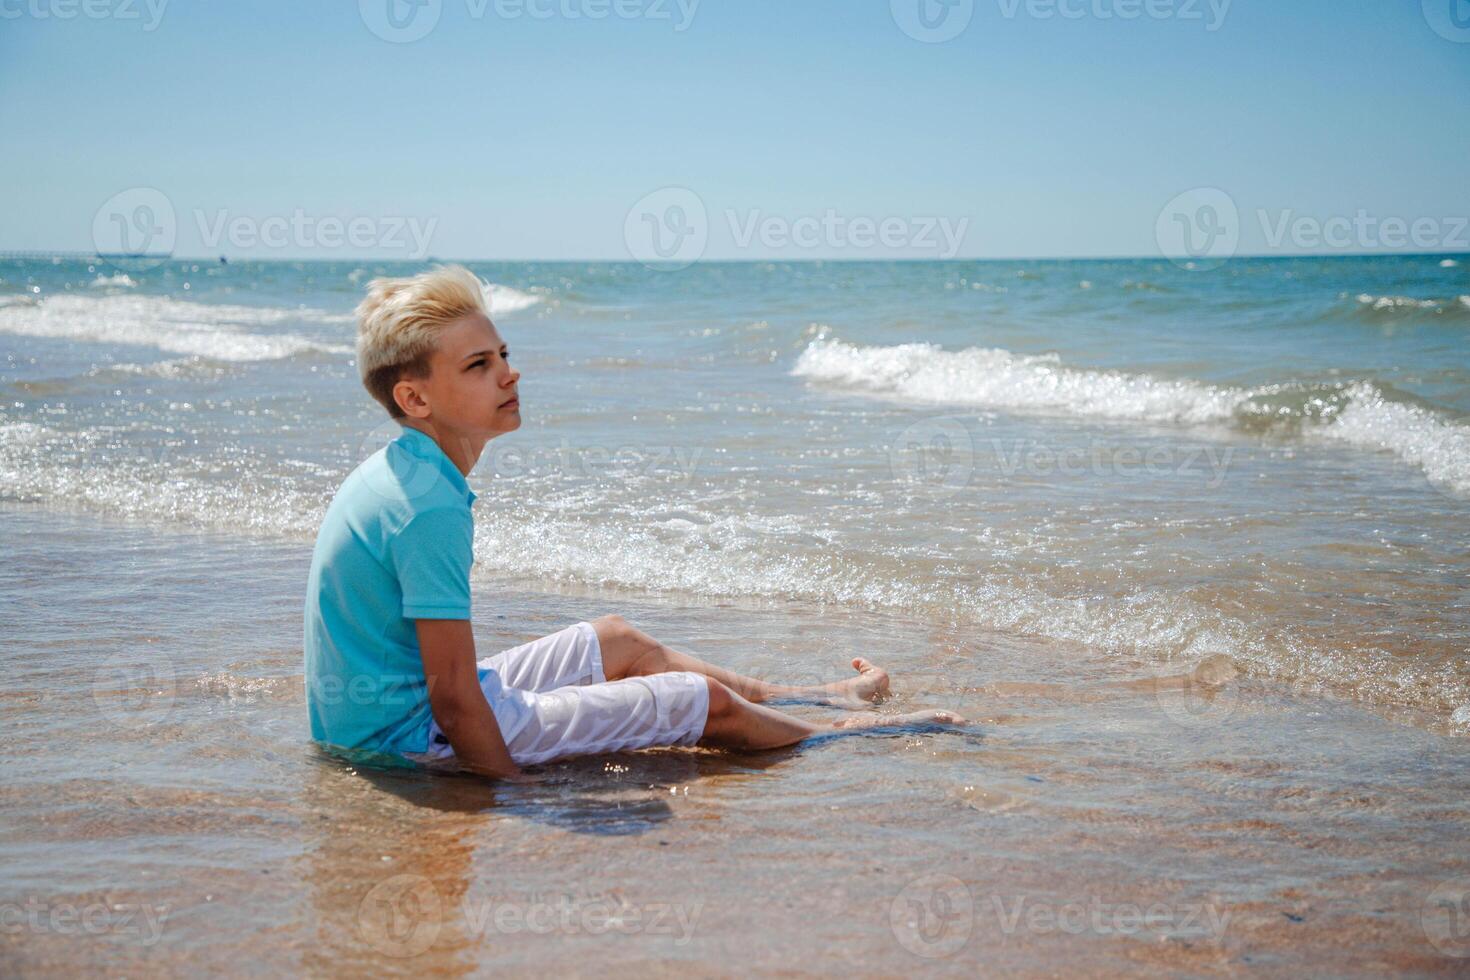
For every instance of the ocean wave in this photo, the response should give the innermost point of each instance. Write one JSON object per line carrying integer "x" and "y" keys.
{"x": 992, "y": 377}
{"x": 1355, "y": 413}
{"x": 718, "y": 555}
{"x": 219, "y": 332}
{"x": 1394, "y": 307}
{"x": 507, "y": 299}
{"x": 120, "y": 281}
{"x": 1438, "y": 446}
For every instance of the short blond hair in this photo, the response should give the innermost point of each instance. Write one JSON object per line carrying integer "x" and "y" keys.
{"x": 399, "y": 321}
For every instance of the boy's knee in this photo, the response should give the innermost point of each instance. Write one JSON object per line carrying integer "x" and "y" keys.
{"x": 721, "y": 699}
{"x": 611, "y": 628}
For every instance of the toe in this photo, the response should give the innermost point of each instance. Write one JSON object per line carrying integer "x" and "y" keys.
{"x": 860, "y": 665}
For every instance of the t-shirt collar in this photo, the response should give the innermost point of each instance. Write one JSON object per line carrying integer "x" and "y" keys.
{"x": 422, "y": 445}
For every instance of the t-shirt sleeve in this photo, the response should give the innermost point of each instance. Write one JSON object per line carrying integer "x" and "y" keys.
{"x": 432, "y": 556}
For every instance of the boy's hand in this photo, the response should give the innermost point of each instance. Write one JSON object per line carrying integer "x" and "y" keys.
{"x": 447, "y": 647}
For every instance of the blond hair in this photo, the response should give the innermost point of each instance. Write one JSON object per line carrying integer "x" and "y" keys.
{"x": 399, "y": 321}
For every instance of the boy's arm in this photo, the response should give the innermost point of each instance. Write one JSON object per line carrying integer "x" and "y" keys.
{"x": 459, "y": 706}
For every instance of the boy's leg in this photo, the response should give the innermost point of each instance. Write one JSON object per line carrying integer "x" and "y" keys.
{"x": 735, "y": 723}
{"x": 629, "y": 652}
{"x": 671, "y": 708}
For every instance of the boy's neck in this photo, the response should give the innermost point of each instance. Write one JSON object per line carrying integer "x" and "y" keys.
{"x": 463, "y": 451}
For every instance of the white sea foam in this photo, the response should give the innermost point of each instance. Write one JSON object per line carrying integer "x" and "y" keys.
{"x": 1439, "y": 446}
{"x": 170, "y": 325}
{"x": 1408, "y": 304}
{"x": 120, "y": 281}
{"x": 1396, "y": 302}
{"x": 742, "y": 555}
{"x": 1448, "y": 264}
{"x": 994, "y": 378}
{"x": 506, "y": 299}
{"x": 998, "y": 379}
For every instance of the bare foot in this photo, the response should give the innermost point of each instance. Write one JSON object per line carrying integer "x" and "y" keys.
{"x": 871, "y": 683}
{"x": 930, "y": 717}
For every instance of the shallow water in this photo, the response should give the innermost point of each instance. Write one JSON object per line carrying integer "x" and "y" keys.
{"x": 1100, "y": 819}
{"x": 1192, "y": 547}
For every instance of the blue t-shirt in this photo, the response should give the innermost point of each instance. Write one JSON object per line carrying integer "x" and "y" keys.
{"x": 396, "y": 545}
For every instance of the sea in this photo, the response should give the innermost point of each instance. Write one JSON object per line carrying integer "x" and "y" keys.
{"x": 1192, "y": 545}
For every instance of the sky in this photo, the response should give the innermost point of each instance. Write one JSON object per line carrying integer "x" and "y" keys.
{"x": 601, "y": 129}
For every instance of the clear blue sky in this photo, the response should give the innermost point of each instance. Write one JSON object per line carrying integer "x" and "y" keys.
{"x": 531, "y": 138}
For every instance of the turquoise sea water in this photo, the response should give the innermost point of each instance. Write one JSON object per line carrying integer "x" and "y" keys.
{"x": 1191, "y": 548}
{"x": 1269, "y": 461}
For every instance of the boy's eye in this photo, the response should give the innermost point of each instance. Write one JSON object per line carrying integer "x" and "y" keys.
{"x": 478, "y": 364}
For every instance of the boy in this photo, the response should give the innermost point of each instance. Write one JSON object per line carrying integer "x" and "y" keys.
{"x": 390, "y": 656}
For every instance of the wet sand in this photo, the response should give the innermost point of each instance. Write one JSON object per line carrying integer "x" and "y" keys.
{"x": 166, "y": 814}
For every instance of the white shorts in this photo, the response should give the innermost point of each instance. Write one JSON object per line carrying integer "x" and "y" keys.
{"x": 558, "y": 702}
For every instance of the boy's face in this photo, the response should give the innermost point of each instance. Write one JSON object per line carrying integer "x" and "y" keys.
{"x": 471, "y": 387}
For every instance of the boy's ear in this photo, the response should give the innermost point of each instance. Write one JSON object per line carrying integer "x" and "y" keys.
{"x": 410, "y": 398}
